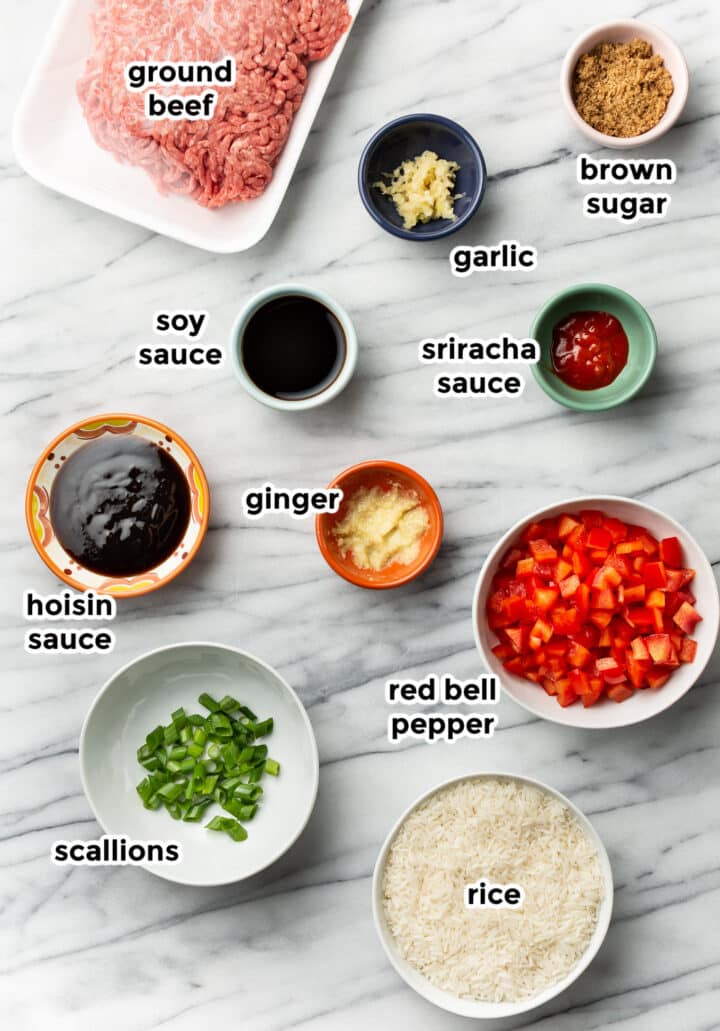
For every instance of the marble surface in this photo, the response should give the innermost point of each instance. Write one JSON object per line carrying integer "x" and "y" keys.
{"x": 296, "y": 947}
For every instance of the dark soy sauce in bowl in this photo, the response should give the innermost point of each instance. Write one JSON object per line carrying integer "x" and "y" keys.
{"x": 120, "y": 505}
{"x": 293, "y": 347}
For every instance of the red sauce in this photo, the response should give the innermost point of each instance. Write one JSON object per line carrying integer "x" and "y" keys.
{"x": 589, "y": 349}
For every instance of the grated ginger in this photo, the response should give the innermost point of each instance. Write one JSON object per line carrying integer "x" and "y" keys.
{"x": 381, "y": 527}
{"x": 422, "y": 189}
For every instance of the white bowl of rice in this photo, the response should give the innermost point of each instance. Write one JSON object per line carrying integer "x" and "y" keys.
{"x": 490, "y": 963}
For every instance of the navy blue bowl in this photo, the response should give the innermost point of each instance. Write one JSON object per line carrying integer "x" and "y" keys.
{"x": 406, "y": 138}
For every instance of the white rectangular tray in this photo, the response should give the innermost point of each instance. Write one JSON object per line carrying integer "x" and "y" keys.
{"x": 54, "y": 145}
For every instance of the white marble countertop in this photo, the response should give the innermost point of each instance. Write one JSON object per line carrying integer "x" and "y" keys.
{"x": 296, "y": 947}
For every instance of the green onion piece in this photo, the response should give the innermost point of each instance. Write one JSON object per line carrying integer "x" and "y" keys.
{"x": 200, "y": 735}
{"x": 247, "y": 712}
{"x": 208, "y": 702}
{"x": 272, "y": 767}
{"x": 196, "y": 751}
{"x": 229, "y": 704}
{"x": 178, "y": 752}
{"x": 219, "y": 725}
{"x": 171, "y": 792}
{"x": 170, "y": 734}
{"x": 223, "y": 823}
{"x": 248, "y": 791}
{"x": 179, "y": 718}
{"x": 195, "y": 812}
{"x": 186, "y": 735}
{"x": 154, "y": 739}
{"x": 256, "y": 774}
{"x": 208, "y": 785}
{"x": 264, "y": 728}
{"x": 175, "y": 810}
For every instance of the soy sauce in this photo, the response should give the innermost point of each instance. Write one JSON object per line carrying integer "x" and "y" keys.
{"x": 293, "y": 348}
{"x": 120, "y": 505}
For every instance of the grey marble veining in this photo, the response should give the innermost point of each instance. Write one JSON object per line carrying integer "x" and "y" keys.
{"x": 295, "y": 948}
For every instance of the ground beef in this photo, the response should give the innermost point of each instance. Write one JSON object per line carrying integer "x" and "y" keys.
{"x": 231, "y": 156}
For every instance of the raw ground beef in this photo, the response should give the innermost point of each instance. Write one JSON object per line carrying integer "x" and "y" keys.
{"x": 231, "y": 156}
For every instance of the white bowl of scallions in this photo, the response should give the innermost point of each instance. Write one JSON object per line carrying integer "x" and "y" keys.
{"x": 204, "y": 746}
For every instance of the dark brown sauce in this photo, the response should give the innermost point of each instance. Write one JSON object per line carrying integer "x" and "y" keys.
{"x": 120, "y": 505}
{"x": 293, "y": 347}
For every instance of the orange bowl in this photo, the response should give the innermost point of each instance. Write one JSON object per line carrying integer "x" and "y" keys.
{"x": 384, "y": 475}
{"x": 39, "y": 488}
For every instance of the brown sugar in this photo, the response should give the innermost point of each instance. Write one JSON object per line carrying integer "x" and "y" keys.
{"x": 621, "y": 89}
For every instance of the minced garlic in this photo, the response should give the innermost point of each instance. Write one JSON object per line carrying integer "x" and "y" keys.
{"x": 422, "y": 189}
{"x": 382, "y": 526}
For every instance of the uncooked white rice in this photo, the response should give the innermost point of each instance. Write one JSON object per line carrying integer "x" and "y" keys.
{"x": 506, "y": 832}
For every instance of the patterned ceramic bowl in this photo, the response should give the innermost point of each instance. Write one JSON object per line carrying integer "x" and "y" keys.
{"x": 37, "y": 505}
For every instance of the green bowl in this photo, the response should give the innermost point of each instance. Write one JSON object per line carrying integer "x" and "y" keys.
{"x": 641, "y": 335}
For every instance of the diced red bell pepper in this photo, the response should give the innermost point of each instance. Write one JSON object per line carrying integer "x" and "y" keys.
{"x": 604, "y": 599}
{"x": 517, "y": 636}
{"x": 654, "y": 575}
{"x": 629, "y": 548}
{"x": 671, "y": 551}
{"x": 656, "y": 680}
{"x": 542, "y": 550}
{"x": 502, "y": 651}
{"x": 601, "y": 617}
{"x": 688, "y": 650}
{"x": 566, "y": 696}
{"x": 659, "y": 647}
{"x": 639, "y": 615}
{"x": 525, "y": 567}
{"x": 687, "y": 617}
{"x": 566, "y": 621}
{"x": 639, "y": 650}
{"x": 569, "y": 586}
{"x": 599, "y": 538}
{"x": 578, "y": 655}
{"x": 611, "y": 612}
{"x": 545, "y": 597}
{"x": 606, "y": 576}
{"x": 633, "y": 595}
{"x": 637, "y": 670}
{"x": 563, "y": 569}
{"x": 608, "y": 667}
{"x": 566, "y": 525}
{"x": 617, "y": 529}
{"x": 620, "y": 693}
{"x": 540, "y": 634}
{"x": 591, "y": 518}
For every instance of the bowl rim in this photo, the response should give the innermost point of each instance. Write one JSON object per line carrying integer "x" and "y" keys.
{"x": 445, "y": 228}
{"x": 53, "y": 446}
{"x": 591, "y": 501}
{"x": 437, "y": 525}
{"x": 166, "y": 872}
{"x": 253, "y": 304}
{"x": 664, "y": 125}
{"x": 466, "y": 1007}
{"x": 584, "y": 401}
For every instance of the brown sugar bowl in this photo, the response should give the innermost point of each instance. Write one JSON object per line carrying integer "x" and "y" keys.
{"x": 626, "y": 32}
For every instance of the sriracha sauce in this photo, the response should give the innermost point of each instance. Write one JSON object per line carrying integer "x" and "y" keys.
{"x": 589, "y": 349}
